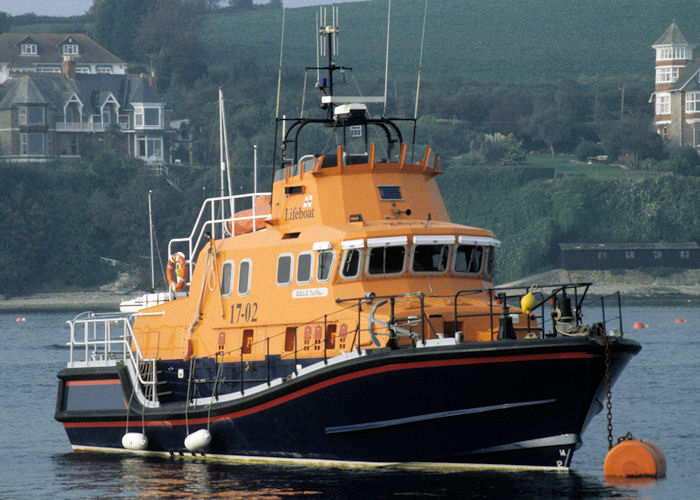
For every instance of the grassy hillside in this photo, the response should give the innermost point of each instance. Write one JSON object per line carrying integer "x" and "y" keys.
{"x": 497, "y": 40}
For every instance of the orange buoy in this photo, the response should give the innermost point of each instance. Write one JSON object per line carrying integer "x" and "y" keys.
{"x": 635, "y": 458}
{"x": 20, "y": 319}
{"x": 680, "y": 320}
{"x": 638, "y": 324}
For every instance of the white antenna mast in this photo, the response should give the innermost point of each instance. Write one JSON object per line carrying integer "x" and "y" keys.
{"x": 255, "y": 170}
{"x": 386, "y": 65}
{"x": 279, "y": 72}
{"x": 420, "y": 60}
{"x": 318, "y": 35}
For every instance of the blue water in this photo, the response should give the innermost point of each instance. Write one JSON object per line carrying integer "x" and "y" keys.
{"x": 657, "y": 399}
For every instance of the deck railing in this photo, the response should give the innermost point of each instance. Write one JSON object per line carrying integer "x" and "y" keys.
{"x": 108, "y": 340}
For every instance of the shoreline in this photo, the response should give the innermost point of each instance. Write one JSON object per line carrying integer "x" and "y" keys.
{"x": 634, "y": 288}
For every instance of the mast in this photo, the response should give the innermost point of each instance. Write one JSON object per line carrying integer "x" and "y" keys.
{"x": 150, "y": 235}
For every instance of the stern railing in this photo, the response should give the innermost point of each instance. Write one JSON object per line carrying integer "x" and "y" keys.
{"x": 107, "y": 339}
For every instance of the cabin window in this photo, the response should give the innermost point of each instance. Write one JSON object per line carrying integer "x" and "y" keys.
{"x": 247, "y": 342}
{"x": 325, "y": 265}
{"x": 430, "y": 258}
{"x": 352, "y": 260}
{"x": 305, "y": 263}
{"x": 490, "y": 254}
{"x": 386, "y": 260}
{"x": 468, "y": 259}
{"x": 244, "y": 277}
{"x": 227, "y": 278}
{"x": 284, "y": 269}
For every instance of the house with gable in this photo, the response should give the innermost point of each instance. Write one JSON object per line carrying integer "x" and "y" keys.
{"x": 44, "y": 53}
{"x": 677, "y": 89}
{"x": 44, "y": 115}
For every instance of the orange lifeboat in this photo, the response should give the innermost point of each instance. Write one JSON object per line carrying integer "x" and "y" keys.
{"x": 243, "y": 221}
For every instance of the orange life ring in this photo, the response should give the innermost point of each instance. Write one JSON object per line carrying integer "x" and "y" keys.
{"x": 177, "y": 271}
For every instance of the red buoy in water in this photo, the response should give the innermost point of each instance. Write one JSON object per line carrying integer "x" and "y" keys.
{"x": 635, "y": 458}
{"x": 638, "y": 324}
{"x": 680, "y": 320}
{"x": 20, "y": 319}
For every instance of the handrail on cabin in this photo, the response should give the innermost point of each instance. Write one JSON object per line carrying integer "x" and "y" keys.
{"x": 215, "y": 216}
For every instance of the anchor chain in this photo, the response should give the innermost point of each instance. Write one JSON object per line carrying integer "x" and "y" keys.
{"x": 608, "y": 395}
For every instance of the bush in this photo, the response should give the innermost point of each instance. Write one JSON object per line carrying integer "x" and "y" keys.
{"x": 586, "y": 149}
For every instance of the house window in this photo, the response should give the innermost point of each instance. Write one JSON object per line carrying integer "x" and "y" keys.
{"x": 430, "y": 258}
{"x": 305, "y": 263}
{"x": 48, "y": 68}
{"x": 227, "y": 278}
{"x": 70, "y": 49}
{"x": 244, "y": 275}
{"x": 105, "y": 115}
{"x": 679, "y": 53}
{"x": 149, "y": 148}
{"x": 69, "y": 144}
{"x": 657, "y": 254}
{"x": 629, "y": 254}
{"x": 152, "y": 117}
{"x": 666, "y": 74}
{"x": 32, "y": 144}
{"x": 35, "y": 115}
{"x": 284, "y": 269}
{"x": 685, "y": 254}
{"x": 468, "y": 259}
{"x": 22, "y": 116}
{"x": 325, "y": 265}
{"x": 602, "y": 255}
{"x": 663, "y": 104}
{"x": 692, "y": 102}
{"x": 28, "y": 49}
{"x": 104, "y": 70}
{"x": 82, "y": 69}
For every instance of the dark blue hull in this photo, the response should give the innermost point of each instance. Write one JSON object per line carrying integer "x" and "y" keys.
{"x": 511, "y": 402}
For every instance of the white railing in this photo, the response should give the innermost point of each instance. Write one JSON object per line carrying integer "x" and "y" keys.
{"x": 108, "y": 340}
{"x": 218, "y": 217}
{"x": 85, "y": 127}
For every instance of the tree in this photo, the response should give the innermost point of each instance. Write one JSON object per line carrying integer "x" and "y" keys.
{"x": 169, "y": 34}
{"x": 118, "y": 22}
{"x": 5, "y": 22}
{"x": 633, "y": 138}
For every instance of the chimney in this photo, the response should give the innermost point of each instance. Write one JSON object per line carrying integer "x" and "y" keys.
{"x": 153, "y": 81}
{"x": 68, "y": 67}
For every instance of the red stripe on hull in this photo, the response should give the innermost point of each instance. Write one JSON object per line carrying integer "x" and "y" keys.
{"x": 93, "y": 382}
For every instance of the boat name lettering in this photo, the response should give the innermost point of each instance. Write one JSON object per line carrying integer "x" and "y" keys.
{"x": 298, "y": 213}
{"x": 303, "y": 293}
{"x": 246, "y": 313}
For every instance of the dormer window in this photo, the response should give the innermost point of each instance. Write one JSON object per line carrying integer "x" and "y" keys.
{"x": 28, "y": 49}
{"x": 70, "y": 49}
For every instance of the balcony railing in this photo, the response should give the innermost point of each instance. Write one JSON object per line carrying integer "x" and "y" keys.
{"x": 86, "y": 127}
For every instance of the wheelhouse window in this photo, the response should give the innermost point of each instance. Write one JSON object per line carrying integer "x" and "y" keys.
{"x": 468, "y": 259}
{"x": 244, "y": 275}
{"x": 490, "y": 255}
{"x": 284, "y": 269}
{"x": 305, "y": 262}
{"x": 386, "y": 256}
{"x": 431, "y": 254}
{"x": 325, "y": 265}
{"x": 351, "y": 264}
{"x": 227, "y": 278}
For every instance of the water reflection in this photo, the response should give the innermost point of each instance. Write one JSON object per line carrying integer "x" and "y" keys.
{"x": 116, "y": 475}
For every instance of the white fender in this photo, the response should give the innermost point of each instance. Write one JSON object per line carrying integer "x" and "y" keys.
{"x": 198, "y": 440}
{"x": 134, "y": 441}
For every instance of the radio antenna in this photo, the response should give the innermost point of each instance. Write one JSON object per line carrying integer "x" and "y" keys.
{"x": 420, "y": 68}
{"x": 279, "y": 72}
{"x": 386, "y": 64}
